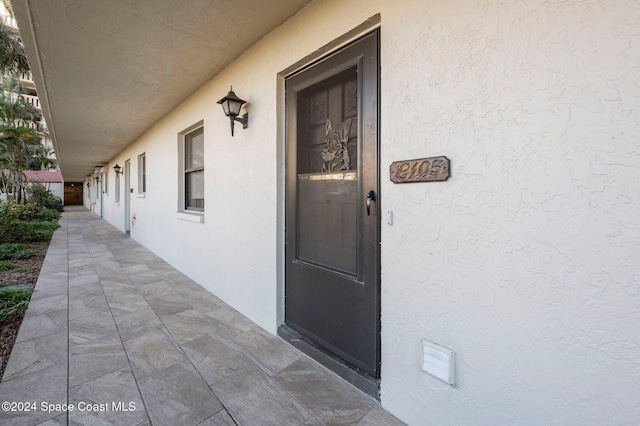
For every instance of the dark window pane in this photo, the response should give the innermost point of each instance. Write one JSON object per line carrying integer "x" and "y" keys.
{"x": 194, "y": 150}
{"x": 194, "y": 191}
{"x": 326, "y": 220}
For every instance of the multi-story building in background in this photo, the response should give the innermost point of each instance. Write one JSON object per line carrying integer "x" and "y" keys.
{"x": 50, "y": 174}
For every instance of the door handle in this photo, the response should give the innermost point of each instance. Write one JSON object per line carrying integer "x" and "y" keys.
{"x": 371, "y": 196}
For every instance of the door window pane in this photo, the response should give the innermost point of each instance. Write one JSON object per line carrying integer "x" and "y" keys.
{"x": 327, "y": 221}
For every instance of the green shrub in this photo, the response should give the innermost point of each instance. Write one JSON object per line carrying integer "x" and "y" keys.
{"x": 14, "y": 251}
{"x": 13, "y": 301}
{"x": 23, "y": 230}
{"x": 57, "y": 207}
{"x": 44, "y": 214}
{"x": 11, "y": 210}
{"x": 5, "y": 266}
{"x": 41, "y": 196}
{"x": 15, "y": 222}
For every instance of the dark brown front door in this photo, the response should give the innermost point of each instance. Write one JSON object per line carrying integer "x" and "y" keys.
{"x": 332, "y": 216}
{"x": 73, "y": 193}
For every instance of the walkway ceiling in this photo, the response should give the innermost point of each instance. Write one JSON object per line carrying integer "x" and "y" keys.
{"x": 107, "y": 70}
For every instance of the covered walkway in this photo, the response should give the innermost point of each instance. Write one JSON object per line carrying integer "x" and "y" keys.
{"x": 114, "y": 335}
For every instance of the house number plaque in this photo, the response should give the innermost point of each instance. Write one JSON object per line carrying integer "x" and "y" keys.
{"x": 432, "y": 169}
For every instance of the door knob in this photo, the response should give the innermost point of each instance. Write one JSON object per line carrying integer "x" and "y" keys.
{"x": 371, "y": 196}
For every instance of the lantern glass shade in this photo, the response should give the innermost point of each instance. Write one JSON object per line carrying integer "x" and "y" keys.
{"x": 117, "y": 168}
{"x": 231, "y": 104}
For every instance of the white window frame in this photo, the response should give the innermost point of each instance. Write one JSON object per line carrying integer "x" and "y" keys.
{"x": 183, "y": 212}
{"x": 142, "y": 174}
{"x": 117, "y": 188}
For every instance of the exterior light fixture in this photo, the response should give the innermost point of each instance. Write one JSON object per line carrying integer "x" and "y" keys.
{"x": 231, "y": 105}
{"x": 98, "y": 179}
{"x": 117, "y": 168}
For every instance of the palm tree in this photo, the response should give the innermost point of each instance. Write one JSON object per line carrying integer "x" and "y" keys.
{"x": 17, "y": 147}
{"x": 20, "y": 145}
{"x": 41, "y": 159}
{"x": 12, "y": 55}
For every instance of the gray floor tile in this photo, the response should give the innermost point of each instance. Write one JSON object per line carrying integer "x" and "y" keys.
{"x": 153, "y": 351}
{"x": 91, "y": 327}
{"x": 35, "y": 354}
{"x": 124, "y": 304}
{"x": 82, "y": 280}
{"x": 76, "y": 270}
{"x": 188, "y": 325}
{"x": 43, "y": 305}
{"x": 329, "y": 398}
{"x": 60, "y": 318}
{"x": 272, "y": 353}
{"x": 60, "y": 420}
{"x": 90, "y": 360}
{"x": 108, "y": 269}
{"x": 178, "y": 395}
{"x": 168, "y": 304}
{"x": 144, "y": 278}
{"x": 34, "y": 326}
{"x": 222, "y": 418}
{"x": 252, "y": 397}
{"x": 134, "y": 324}
{"x": 120, "y": 288}
{"x": 153, "y": 288}
{"x": 48, "y": 385}
{"x": 133, "y": 317}
{"x": 53, "y": 274}
{"x": 172, "y": 275}
{"x": 51, "y": 288}
{"x": 377, "y": 416}
{"x": 216, "y": 358}
{"x": 138, "y": 268}
{"x": 86, "y": 290}
{"x": 201, "y": 300}
{"x": 230, "y": 317}
{"x": 114, "y": 398}
{"x": 88, "y": 305}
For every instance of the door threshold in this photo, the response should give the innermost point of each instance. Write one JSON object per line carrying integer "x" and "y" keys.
{"x": 358, "y": 378}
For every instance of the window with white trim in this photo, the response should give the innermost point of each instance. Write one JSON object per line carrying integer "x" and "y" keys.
{"x": 142, "y": 173}
{"x": 117, "y": 200}
{"x": 192, "y": 168}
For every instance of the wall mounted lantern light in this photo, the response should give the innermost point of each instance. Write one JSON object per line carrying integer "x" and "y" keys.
{"x": 231, "y": 105}
{"x": 97, "y": 179}
{"x": 118, "y": 169}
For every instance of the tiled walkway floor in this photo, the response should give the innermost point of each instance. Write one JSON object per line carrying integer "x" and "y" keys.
{"x": 126, "y": 339}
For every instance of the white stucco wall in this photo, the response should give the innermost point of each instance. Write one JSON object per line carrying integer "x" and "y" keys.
{"x": 526, "y": 262}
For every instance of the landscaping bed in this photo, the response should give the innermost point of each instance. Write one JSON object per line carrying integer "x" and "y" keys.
{"x": 25, "y": 232}
{"x": 23, "y": 271}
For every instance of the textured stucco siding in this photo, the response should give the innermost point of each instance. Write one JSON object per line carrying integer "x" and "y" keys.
{"x": 526, "y": 262}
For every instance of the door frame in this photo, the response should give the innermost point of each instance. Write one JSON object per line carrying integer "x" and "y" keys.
{"x": 127, "y": 196}
{"x": 364, "y": 382}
